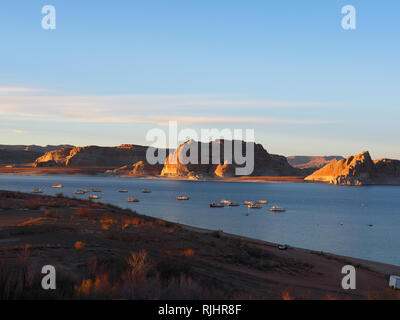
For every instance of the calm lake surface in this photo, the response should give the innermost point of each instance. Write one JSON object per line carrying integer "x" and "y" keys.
{"x": 320, "y": 217}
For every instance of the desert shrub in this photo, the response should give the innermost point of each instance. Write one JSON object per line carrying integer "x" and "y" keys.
{"x": 33, "y": 204}
{"x": 82, "y": 213}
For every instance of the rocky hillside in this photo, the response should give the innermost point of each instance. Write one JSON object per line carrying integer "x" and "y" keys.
{"x": 141, "y": 168}
{"x": 93, "y": 156}
{"x": 311, "y": 162}
{"x": 9, "y": 157}
{"x": 23, "y": 154}
{"x": 359, "y": 170}
{"x": 265, "y": 164}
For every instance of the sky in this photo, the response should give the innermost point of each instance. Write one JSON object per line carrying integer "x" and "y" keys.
{"x": 113, "y": 70}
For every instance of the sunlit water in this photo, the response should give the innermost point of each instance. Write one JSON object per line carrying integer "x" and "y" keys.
{"x": 320, "y": 217}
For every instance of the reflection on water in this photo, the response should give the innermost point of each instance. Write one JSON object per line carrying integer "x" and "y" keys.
{"x": 320, "y": 217}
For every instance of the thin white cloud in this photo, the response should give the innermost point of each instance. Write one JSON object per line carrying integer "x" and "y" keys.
{"x": 17, "y": 131}
{"x": 15, "y": 90}
{"x": 157, "y": 109}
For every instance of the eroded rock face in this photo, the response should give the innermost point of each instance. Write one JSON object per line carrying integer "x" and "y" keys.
{"x": 141, "y": 168}
{"x": 183, "y": 162}
{"x": 359, "y": 170}
{"x": 93, "y": 156}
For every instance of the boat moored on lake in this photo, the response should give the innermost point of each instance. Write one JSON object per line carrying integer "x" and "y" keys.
{"x": 95, "y": 189}
{"x": 123, "y": 191}
{"x": 94, "y": 197}
{"x": 248, "y": 202}
{"x": 262, "y": 202}
{"x": 37, "y": 191}
{"x": 57, "y": 186}
{"x": 146, "y": 191}
{"x": 277, "y": 209}
{"x": 216, "y": 205}
{"x": 182, "y": 198}
{"x": 132, "y": 200}
{"x": 254, "y": 206}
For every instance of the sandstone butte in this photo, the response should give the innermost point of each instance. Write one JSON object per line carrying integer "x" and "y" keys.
{"x": 93, "y": 156}
{"x": 359, "y": 170}
{"x": 216, "y": 165}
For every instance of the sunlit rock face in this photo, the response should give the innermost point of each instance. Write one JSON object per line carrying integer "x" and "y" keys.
{"x": 311, "y": 162}
{"x": 211, "y": 160}
{"x": 93, "y": 156}
{"x": 359, "y": 170}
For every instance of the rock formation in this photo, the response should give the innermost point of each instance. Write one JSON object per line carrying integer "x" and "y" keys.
{"x": 359, "y": 170}
{"x": 141, "y": 168}
{"x": 183, "y": 163}
{"x": 311, "y": 162}
{"x": 93, "y": 156}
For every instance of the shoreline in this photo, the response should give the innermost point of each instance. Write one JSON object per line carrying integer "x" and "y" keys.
{"x": 100, "y": 171}
{"x": 239, "y": 265}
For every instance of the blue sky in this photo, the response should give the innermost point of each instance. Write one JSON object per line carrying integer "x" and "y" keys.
{"x": 112, "y": 70}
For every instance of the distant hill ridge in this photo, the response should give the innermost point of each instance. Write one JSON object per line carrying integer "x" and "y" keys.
{"x": 311, "y": 162}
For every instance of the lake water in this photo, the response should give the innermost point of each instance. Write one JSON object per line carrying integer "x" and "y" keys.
{"x": 320, "y": 217}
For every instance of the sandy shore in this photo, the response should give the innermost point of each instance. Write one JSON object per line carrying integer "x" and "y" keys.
{"x": 102, "y": 251}
{"x": 31, "y": 171}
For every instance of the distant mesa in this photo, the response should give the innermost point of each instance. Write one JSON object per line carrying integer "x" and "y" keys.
{"x": 93, "y": 156}
{"x": 359, "y": 170}
{"x": 216, "y": 165}
{"x": 23, "y": 154}
{"x": 311, "y": 162}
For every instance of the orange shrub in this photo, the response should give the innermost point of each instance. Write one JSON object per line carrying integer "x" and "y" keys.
{"x": 188, "y": 252}
{"x": 79, "y": 245}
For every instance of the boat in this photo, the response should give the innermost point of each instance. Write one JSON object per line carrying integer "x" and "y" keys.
{"x": 37, "y": 191}
{"x": 132, "y": 200}
{"x": 216, "y": 205}
{"x": 123, "y": 191}
{"x": 95, "y": 190}
{"x": 224, "y": 201}
{"x": 248, "y": 202}
{"x": 57, "y": 186}
{"x": 233, "y": 204}
{"x": 80, "y": 191}
{"x": 254, "y": 206}
{"x": 146, "y": 191}
{"x": 262, "y": 202}
{"x": 182, "y": 198}
{"x": 93, "y": 197}
{"x": 277, "y": 209}
{"x": 283, "y": 247}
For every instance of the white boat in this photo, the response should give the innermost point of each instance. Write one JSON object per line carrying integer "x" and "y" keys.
{"x": 216, "y": 205}
{"x": 248, "y": 202}
{"x": 146, "y": 191}
{"x": 95, "y": 190}
{"x": 123, "y": 191}
{"x": 182, "y": 198}
{"x": 93, "y": 197}
{"x": 254, "y": 206}
{"x": 57, "y": 186}
{"x": 233, "y": 204}
{"x": 277, "y": 209}
{"x": 80, "y": 191}
{"x": 37, "y": 191}
{"x": 262, "y": 202}
{"x": 132, "y": 200}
